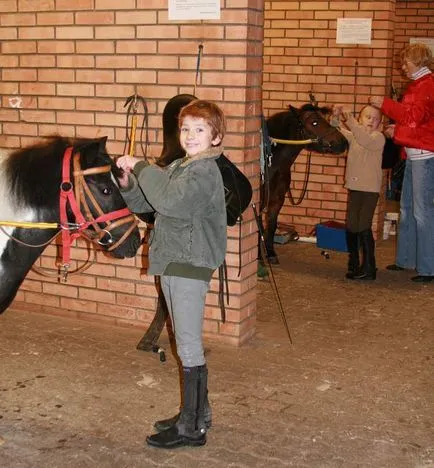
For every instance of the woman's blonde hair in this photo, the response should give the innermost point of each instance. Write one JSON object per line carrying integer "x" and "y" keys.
{"x": 419, "y": 54}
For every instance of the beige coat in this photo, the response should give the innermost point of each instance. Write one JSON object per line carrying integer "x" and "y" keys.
{"x": 363, "y": 171}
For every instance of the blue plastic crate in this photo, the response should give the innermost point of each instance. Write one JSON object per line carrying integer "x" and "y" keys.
{"x": 331, "y": 237}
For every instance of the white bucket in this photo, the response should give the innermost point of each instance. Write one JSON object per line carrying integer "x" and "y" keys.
{"x": 390, "y": 221}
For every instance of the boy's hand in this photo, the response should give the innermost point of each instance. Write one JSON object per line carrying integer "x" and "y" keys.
{"x": 127, "y": 163}
{"x": 123, "y": 180}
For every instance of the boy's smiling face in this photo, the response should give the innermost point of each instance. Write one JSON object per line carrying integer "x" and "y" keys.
{"x": 195, "y": 135}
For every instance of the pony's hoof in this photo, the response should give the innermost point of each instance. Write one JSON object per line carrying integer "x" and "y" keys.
{"x": 273, "y": 260}
{"x": 262, "y": 271}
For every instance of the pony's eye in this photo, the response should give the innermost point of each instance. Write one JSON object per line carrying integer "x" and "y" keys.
{"x": 314, "y": 123}
{"x": 107, "y": 191}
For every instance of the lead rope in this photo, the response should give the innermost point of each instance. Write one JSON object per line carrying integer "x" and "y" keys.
{"x": 356, "y": 68}
{"x": 305, "y": 183}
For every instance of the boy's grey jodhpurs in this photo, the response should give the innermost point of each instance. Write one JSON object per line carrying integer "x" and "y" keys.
{"x": 185, "y": 300}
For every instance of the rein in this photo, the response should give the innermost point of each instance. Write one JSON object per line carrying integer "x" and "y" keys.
{"x": 317, "y": 139}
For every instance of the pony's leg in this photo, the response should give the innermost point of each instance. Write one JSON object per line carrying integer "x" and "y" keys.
{"x": 269, "y": 237}
{"x": 262, "y": 270}
{"x": 277, "y": 198}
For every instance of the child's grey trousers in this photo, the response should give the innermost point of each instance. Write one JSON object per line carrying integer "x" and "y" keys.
{"x": 185, "y": 300}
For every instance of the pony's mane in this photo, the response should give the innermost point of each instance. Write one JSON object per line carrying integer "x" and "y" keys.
{"x": 312, "y": 107}
{"x": 33, "y": 173}
{"x": 308, "y": 107}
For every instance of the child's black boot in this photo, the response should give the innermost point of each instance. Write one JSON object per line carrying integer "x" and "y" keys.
{"x": 190, "y": 428}
{"x": 164, "y": 424}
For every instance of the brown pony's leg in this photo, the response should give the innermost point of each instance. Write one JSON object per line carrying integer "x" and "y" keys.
{"x": 280, "y": 185}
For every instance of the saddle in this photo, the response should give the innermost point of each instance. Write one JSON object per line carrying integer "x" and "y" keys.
{"x": 238, "y": 190}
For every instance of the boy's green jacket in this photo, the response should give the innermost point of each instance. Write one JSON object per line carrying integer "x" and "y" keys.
{"x": 190, "y": 212}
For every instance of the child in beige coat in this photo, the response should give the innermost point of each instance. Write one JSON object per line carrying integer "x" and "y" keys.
{"x": 363, "y": 179}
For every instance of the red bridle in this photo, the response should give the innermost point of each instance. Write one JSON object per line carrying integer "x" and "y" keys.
{"x": 77, "y": 201}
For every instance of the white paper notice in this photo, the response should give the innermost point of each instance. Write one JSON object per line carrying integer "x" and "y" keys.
{"x": 354, "y": 31}
{"x": 194, "y": 9}
{"x": 424, "y": 40}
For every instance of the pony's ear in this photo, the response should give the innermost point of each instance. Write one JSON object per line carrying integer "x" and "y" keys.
{"x": 325, "y": 110}
{"x": 102, "y": 144}
{"x": 98, "y": 144}
{"x": 91, "y": 150}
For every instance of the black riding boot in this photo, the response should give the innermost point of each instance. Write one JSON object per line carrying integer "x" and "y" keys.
{"x": 189, "y": 429}
{"x": 165, "y": 424}
{"x": 368, "y": 271}
{"x": 353, "y": 253}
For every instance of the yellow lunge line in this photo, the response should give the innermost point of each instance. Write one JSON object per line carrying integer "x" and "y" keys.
{"x": 24, "y": 224}
{"x": 291, "y": 142}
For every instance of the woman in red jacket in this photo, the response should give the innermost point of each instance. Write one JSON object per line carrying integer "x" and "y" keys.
{"x": 414, "y": 129}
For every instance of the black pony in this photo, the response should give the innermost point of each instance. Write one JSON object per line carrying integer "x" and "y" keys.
{"x": 33, "y": 181}
{"x": 306, "y": 128}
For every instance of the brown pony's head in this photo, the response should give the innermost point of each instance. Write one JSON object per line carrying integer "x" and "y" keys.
{"x": 314, "y": 124}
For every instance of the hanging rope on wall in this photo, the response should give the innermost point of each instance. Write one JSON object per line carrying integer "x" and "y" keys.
{"x": 199, "y": 56}
{"x": 356, "y": 70}
{"x": 132, "y": 103}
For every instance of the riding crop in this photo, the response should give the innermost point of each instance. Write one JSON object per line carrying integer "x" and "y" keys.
{"x": 273, "y": 280}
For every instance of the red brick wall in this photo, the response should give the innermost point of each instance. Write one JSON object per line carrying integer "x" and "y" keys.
{"x": 73, "y": 64}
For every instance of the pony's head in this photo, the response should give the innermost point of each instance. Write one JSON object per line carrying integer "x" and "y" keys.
{"x": 97, "y": 193}
{"x": 34, "y": 177}
{"x": 314, "y": 124}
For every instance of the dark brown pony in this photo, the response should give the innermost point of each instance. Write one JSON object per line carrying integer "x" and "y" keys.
{"x": 308, "y": 122}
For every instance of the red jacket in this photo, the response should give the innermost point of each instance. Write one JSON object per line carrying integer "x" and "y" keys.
{"x": 414, "y": 115}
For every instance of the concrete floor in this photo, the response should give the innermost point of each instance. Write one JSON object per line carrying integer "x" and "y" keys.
{"x": 354, "y": 390}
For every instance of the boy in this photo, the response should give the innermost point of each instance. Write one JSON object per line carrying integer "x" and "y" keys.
{"x": 187, "y": 245}
{"x": 363, "y": 178}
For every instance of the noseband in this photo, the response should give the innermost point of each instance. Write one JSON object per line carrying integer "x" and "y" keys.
{"x": 80, "y": 207}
